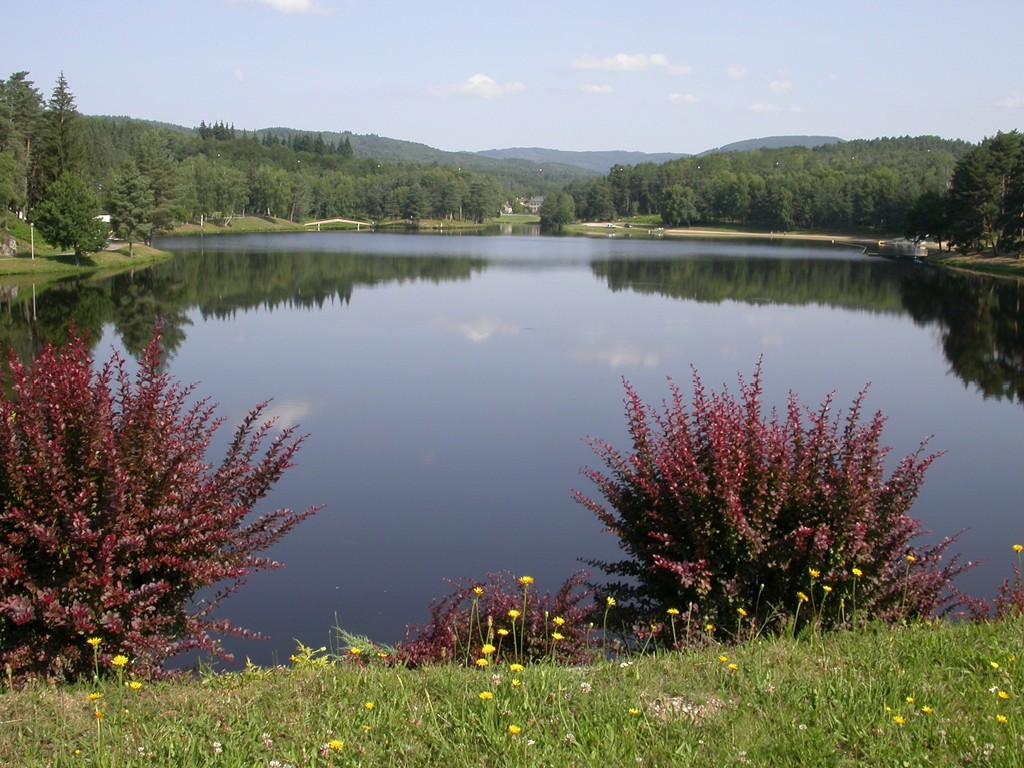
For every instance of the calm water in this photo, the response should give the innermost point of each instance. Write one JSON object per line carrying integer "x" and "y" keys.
{"x": 447, "y": 382}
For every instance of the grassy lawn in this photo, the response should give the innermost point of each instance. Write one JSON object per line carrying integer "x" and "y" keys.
{"x": 917, "y": 696}
{"x": 236, "y": 226}
{"x": 103, "y": 261}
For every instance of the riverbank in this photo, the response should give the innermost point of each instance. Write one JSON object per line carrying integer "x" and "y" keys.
{"x": 112, "y": 261}
{"x": 999, "y": 266}
{"x": 653, "y": 230}
{"x": 929, "y": 694}
{"x": 240, "y": 225}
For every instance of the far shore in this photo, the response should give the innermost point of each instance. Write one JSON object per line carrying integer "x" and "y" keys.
{"x": 706, "y": 232}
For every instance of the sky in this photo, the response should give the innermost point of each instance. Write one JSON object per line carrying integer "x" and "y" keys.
{"x": 652, "y": 76}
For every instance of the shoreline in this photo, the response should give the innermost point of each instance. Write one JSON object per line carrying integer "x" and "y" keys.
{"x": 111, "y": 260}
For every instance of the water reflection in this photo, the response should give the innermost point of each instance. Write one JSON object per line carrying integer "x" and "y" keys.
{"x": 446, "y": 383}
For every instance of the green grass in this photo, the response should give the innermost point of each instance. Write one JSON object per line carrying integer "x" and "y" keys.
{"x": 832, "y": 701}
{"x": 237, "y": 225}
{"x": 101, "y": 262}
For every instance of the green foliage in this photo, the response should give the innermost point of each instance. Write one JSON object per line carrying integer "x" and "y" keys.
{"x": 131, "y": 204}
{"x": 62, "y": 150}
{"x": 66, "y": 218}
{"x": 557, "y": 211}
{"x": 847, "y": 186}
{"x": 678, "y": 206}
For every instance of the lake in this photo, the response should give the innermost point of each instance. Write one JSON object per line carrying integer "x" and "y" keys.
{"x": 447, "y": 383}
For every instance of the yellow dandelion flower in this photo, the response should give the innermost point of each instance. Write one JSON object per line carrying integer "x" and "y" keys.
{"x": 94, "y": 696}
{"x": 742, "y": 613}
{"x": 134, "y": 685}
{"x": 382, "y": 654}
{"x": 488, "y": 649}
{"x": 368, "y": 706}
{"x": 514, "y": 614}
{"x": 857, "y": 572}
{"x": 478, "y": 591}
{"x": 355, "y": 651}
{"x": 516, "y": 667}
{"x": 335, "y": 745}
{"x": 910, "y": 699}
{"x": 994, "y": 664}
{"x": 525, "y": 581}
{"x": 733, "y": 667}
{"x": 802, "y": 597}
{"x": 672, "y": 611}
{"x": 557, "y": 636}
{"x": 516, "y": 682}
{"x": 1003, "y": 695}
{"x": 723, "y": 659}
{"x": 814, "y": 572}
{"x": 503, "y": 632}
{"x": 926, "y": 710}
{"x": 514, "y": 730}
{"x": 94, "y": 641}
{"x": 558, "y": 621}
{"x": 119, "y": 661}
{"x": 1002, "y": 719}
{"x": 98, "y": 713}
{"x": 911, "y": 559}
{"x": 634, "y": 712}
{"x": 482, "y": 663}
{"x": 485, "y": 695}
{"x": 899, "y": 720}
{"x": 1018, "y": 548}
{"x": 826, "y": 588}
{"x": 610, "y": 601}
{"x": 709, "y": 628}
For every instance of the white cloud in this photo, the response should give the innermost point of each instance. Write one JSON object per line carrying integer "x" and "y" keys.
{"x": 764, "y": 109}
{"x": 736, "y": 73}
{"x": 631, "y": 62}
{"x": 683, "y": 98}
{"x": 287, "y": 413}
{"x": 780, "y": 86}
{"x": 618, "y": 357}
{"x": 481, "y": 330}
{"x": 486, "y": 87}
{"x": 597, "y": 89}
{"x": 1016, "y": 101}
{"x": 289, "y": 6}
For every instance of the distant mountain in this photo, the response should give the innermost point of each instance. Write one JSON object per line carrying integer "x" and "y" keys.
{"x": 774, "y": 142}
{"x": 373, "y": 147}
{"x": 598, "y": 161}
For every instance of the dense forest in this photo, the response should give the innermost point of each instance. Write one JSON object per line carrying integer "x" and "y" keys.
{"x": 850, "y": 186}
{"x": 150, "y": 176}
{"x": 983, "y": 207}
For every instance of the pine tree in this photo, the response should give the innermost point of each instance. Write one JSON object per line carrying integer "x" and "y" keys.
{"x": 131, "y": 205}
{"x": 62, "y": 151}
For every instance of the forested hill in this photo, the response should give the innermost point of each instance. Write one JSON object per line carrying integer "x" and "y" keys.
{"x": 384, "y": 149}
{"x": 861, "y": 185}
{"x": 597, "y": 161}
{"x": 774, "y": 142}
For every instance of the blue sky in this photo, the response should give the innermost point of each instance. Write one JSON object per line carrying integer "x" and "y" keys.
{"x": 653, "y": 76}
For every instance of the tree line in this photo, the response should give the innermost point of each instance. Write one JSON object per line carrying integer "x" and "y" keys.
{"x": 983, "y": 207}
{"x": 59, "y": 169}
{"x": 863, "y": 185}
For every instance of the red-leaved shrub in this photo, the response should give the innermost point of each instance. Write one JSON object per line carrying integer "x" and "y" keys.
{"x": 111, "y": 519}
{"x": 748, "y": 517}
{"x": 481, "y": 613}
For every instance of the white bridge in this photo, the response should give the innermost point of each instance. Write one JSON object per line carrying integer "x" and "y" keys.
{"x": 359, "y": 224}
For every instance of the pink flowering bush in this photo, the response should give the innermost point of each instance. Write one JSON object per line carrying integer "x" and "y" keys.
{"x": 111, "y": 521}
{"x": 748, "y": 517}
{"x": 512, "y": 616}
